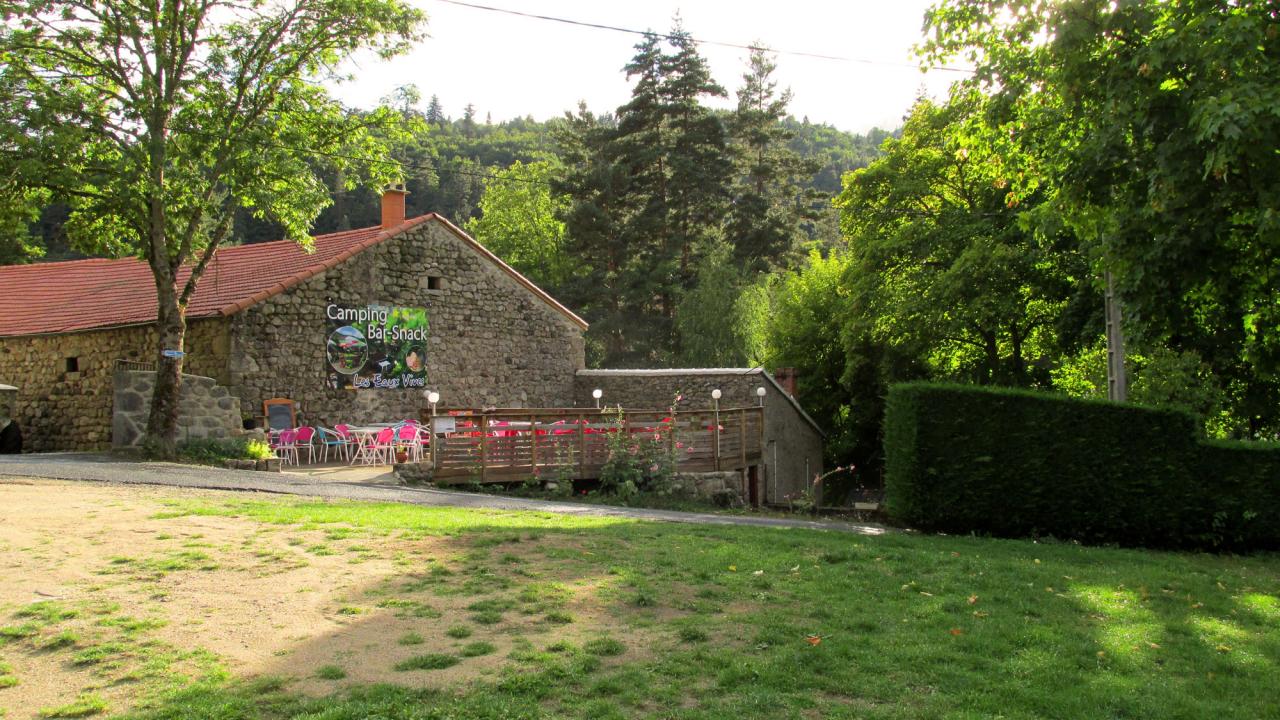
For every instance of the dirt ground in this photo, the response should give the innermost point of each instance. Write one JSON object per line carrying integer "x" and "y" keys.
{"x": 264, "y": 599}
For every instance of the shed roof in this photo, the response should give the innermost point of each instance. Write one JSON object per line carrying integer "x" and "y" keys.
{"x": 63, "y": 297}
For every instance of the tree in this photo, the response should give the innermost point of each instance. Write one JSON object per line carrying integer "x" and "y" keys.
{"x": 941, "y": 267}
{"x": 771, "y": 199}
{"x": 1155, "y": 122}
{"x": 520, "y": 222}
{"x": 649, "y": 199}
{"x": 708, "y": 316}
{"x": 155, "y": 121}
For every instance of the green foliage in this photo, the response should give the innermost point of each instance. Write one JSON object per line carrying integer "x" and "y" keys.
{"x": 520, "y": 222}
{"x": 707, "y": 318}
{"x": 1151, "y": 127}
{"x": 941, "y": 269}
{"x": 637, "y": 462}
{"x": 805, "y": 320}
{"x": 212, "y": 451}
{"x": 774, "y": 203}
{"x": 1015, "y": 463}
{"x": 154, "y": 122}
{"x": 648, "y": 193}
{"x": 1159, "y": 377}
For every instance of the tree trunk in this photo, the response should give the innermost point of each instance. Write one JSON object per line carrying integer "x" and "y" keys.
{"x": 171, "y": 328}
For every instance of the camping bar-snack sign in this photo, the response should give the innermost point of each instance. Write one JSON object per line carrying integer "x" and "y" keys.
{"x": 376, "y": 346}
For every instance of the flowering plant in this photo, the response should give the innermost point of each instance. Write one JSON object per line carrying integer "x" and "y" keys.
{"x": 637, "y": 461}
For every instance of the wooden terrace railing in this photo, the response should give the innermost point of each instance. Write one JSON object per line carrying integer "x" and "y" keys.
{"x": 573, "y": 443}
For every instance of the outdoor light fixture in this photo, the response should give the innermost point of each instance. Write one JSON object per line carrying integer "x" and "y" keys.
{"x": 433, "y": 397}
{"x": 760, "y": 394}
{"x": 597, "y": 394}
{"x": 715, "y": 394}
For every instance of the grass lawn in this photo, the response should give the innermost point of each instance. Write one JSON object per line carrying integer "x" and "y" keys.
{"x": 604, "y": 618}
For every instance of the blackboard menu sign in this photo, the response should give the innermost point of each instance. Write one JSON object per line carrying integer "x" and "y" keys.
{"x": 280, "y": 416}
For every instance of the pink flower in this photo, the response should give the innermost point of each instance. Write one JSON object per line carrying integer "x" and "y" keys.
{"x": 653, "y": 468}
{"x": 679, "y": 444}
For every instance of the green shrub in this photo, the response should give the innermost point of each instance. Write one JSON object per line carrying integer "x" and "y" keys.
{"x": 211, "y": 451}
{"x": 966, "y": 459}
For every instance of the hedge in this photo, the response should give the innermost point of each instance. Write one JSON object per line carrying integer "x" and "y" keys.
{"x": 1013, "y": 463}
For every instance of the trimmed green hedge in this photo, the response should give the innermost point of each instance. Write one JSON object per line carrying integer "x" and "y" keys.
{"x": 1012, "y": 463}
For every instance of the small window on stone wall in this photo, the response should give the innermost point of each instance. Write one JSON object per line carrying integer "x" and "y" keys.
{"x": 73, "y": 364}
{"x": 434, "y": 282}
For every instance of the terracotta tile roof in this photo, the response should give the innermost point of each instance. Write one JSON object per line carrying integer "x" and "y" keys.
{"x": 60, "y": 297}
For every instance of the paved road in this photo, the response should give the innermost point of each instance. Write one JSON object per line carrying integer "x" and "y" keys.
{"x": 105, "y": 468}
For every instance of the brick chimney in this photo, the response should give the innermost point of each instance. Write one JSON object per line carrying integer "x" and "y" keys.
{"x": 786, "y": 377}
{"x": 393, "y": 206}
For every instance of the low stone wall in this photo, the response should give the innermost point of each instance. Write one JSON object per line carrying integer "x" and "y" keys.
{"x": 205, "y": 408}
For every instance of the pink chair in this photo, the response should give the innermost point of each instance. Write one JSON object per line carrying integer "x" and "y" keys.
{"x": 408, "y": 438}
{"x": 303, "y": 442}
{"x": 286, "y": 446}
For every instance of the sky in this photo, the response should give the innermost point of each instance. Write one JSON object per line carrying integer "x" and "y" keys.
{"x": 509, "y": 66}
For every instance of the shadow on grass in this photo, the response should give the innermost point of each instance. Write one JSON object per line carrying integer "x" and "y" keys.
{"x": 720, "y": 622}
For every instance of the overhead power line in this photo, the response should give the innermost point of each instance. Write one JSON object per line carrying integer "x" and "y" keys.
{"x": 739, "y": 46}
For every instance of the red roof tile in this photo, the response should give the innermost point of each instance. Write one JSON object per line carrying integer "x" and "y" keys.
{"x": 60, "y": 297}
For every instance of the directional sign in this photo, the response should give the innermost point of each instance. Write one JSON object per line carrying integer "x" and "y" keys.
{"x": 172, "y": 353}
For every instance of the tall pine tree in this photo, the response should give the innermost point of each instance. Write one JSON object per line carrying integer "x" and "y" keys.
{"x": 773, "y": 198}
{"x": 648, "y": 196}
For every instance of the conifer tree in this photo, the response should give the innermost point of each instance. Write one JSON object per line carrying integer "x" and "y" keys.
{"x": 773, "y": 200}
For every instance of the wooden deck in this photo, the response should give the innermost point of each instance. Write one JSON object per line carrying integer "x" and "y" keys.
{"x": 515, "y": 445}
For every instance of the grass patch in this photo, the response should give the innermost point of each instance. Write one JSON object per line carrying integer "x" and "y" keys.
{"x": 64, "y": 639}
{"x": 476, "y": 649}
{"x": 330, "y": 672}
{"x": 430, "y": 661}
{"x": 84, "y": 706}
{"x": 410, "y": 608}
{"x": 98, "y": 654}
{"x": 411, "y": 638}
{"x": 47, "y": 612}
{"x": 604, "y": 647}
{"x": 7, "y": 678}
{"x": 776, "y": 623}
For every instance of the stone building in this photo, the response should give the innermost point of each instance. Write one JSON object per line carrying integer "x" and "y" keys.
{"x": 355, "y": 330}
{"x": 792, "y": 441}
{"x": 262, "y": 321}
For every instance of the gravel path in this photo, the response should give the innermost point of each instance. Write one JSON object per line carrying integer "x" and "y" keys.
{"x": 104, "y": 468}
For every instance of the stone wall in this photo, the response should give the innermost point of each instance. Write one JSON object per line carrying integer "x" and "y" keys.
{"x": 792, "y": 445}
{"x": 492, "y": 341}
{"x": 205, "y": 408}
{"x": 62, "y": 409}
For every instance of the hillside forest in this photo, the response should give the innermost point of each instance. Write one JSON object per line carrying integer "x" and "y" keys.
{"x": 968, "y": 245}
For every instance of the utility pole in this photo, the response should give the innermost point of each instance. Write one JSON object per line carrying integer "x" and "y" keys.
{"x": 1117, "y": 389}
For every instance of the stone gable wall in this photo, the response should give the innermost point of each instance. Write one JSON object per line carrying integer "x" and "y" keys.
{"x": 60, "y": 410}
{"x": 492, "y": 342}
{"x": 792, "y": 447}
{"x": 205, "y": 408}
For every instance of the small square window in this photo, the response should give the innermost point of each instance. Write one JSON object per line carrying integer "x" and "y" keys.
{"x": 73, "y": 364}
{"x": 434, "y": 282}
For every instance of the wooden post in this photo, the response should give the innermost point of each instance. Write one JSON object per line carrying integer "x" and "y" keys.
{"x": 484, "y": 446}
{"x": 533, "y": 442}
{"x": 715, "y": 443}
{"x": 582, "y": 445}
{"x": 671, "y": 441}
{"x": 742, "y": 438}
{"x": 763, "y": 476}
